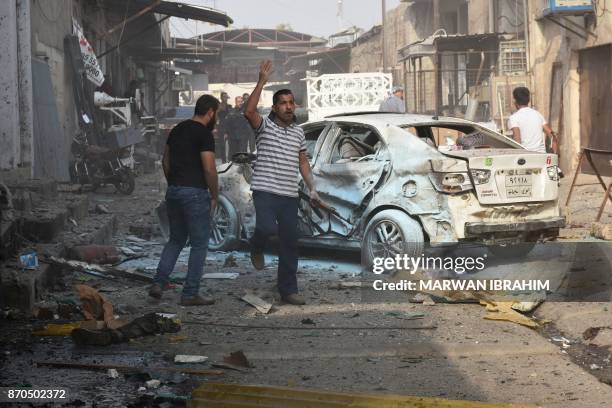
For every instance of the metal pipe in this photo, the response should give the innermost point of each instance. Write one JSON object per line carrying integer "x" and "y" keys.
{"x": 382, "y": 35}
{"x": 26, "y": 105}
{"x": 133, "y": 37}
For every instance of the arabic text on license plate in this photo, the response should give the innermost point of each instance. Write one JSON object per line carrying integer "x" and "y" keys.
{"x": 518, "y": 186}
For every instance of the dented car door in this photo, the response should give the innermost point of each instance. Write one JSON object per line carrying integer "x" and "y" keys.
{"x": 351, "y": 164}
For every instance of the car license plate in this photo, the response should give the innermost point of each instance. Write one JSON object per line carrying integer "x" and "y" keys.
{"x": 519, "y": 186}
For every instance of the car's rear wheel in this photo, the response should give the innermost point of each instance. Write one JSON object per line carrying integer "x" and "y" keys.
{"x": 512, "y": 251}
{"x": 390, "y": 233}
{"x": 224, "y": 227}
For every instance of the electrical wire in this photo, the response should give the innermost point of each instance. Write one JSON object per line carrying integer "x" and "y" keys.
{"x": 127, "y": 6}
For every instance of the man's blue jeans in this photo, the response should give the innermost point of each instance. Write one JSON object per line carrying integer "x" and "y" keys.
{"x": 189, "y": 216}
{"x": 278, "y": 215}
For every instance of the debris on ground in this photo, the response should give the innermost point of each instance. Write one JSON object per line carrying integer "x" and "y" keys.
{"x": 234, "y": 361}
{"x": 152, "y": 384}
{"x": 147, "y": 325}
{"x": 257, "y": 302}
{"x": 189, "y": 359}
{"x": 57, "y": 329}
{"x": 94, "y": 306}
{"x": 29, "y": 260}
{"x": 405, "y": 315}
{"x": 126, "y": 368}
{"x": 221, "y": 275}
{"x": 344, "y": 285}
{"x": 97, "y": 254}
{"x": 101, "y": 209}
{"x": 504, "y": 311}
{"x": 602, "y": 231}
{"x": 142, "y": 231}
{"x": 525, "y": 307}
{"x": 230, "y": 262}
{"x": 112, "y": 373}
{"x": 99, "y": 270}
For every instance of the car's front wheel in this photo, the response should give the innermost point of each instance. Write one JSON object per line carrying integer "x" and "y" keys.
{"x": 224, "y": 227}
{"x": 390, "y": 233}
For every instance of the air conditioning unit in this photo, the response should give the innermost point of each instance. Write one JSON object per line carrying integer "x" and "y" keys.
{"x": 177, "y": 83}
{"x": 568, "y": 7}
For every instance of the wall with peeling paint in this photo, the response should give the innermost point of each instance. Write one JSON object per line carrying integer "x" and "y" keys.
{"x": 551, "y": 44}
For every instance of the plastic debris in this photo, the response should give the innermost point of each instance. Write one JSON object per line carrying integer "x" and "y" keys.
{"x": 258, "y": 303}
{"x": 57, "y": 329}
{"x": 29, "y": 260}
{"x": 189, "y": 359}
{"x": 504, "y": 311}
{"x": 151, "y": 384}
{"x": 112, "y": 373}
{"x": 221, "y": 275}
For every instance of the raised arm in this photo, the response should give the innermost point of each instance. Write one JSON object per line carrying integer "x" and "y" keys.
{"x": 254, "y": 118}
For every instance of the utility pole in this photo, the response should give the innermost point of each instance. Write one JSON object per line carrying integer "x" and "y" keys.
{"x": 382, "y": 35}
{"x": 436, "y": 15}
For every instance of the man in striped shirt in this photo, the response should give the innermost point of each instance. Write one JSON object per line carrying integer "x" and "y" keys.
{"x": 281, "y": 153}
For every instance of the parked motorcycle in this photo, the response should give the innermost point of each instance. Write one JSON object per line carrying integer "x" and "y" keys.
{"x": 98, "y": 166}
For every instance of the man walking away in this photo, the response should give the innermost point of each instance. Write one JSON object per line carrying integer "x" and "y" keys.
{"x": 191, "y": 199}
{"x": 281, "y": 152}
{"x": 528, "y": 125}
{"x": 395, "y": 102}
{"x": 237, "y": 128}
{"x": 250, "y": 140}
{"x": 221, "y": 130}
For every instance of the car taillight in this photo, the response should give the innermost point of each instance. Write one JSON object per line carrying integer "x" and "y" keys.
{"x": 553, "y": 173}
{"x": 481, "y": 176}
{"x": 451, "y": 182}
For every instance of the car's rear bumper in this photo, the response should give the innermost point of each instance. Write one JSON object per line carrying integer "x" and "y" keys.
{"x": 476, "y": 229}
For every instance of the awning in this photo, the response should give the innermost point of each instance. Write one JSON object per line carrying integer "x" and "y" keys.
{"x": 187, "y": 11}
{"x": 136, "y": 8}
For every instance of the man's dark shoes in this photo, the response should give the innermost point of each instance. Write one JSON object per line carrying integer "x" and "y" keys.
{"x": 294, "y": 299}
{"x": 197, "y": 301}
{"x": 257, "y": 259}
{"x": 155, "y": 291}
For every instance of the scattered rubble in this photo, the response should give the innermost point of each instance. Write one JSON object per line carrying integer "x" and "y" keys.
{"x": 257, "y": 302}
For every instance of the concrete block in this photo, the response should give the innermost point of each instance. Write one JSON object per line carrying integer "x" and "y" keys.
{"x": 22, "y": 201}
{"x": 21, "y": 288}
{"x": 45, "y": 188}
{"x": 78, "y": 207}
{"x": 44, "y": 226}
{"x": 97, "y": 229}
{"x": 8, "y": 237}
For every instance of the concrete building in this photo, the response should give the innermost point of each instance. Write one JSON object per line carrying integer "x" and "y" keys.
{"x": 37, "y": 81}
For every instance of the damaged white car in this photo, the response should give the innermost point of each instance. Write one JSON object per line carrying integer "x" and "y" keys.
{"x": 394, "y": 182}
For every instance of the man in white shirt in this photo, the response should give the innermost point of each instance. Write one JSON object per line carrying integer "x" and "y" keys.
{"x": 528, "y": 125}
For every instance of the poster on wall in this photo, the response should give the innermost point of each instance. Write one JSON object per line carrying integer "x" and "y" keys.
{"x": 92, "y": 67}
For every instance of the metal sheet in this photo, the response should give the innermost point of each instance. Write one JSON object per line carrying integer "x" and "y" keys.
{"x": 51, "y": 151}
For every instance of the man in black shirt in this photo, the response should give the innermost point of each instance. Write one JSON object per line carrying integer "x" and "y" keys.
{"x": 191, "y": 199}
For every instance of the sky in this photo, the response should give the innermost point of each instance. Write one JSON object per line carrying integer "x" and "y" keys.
{"x": 315, "y": 17}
